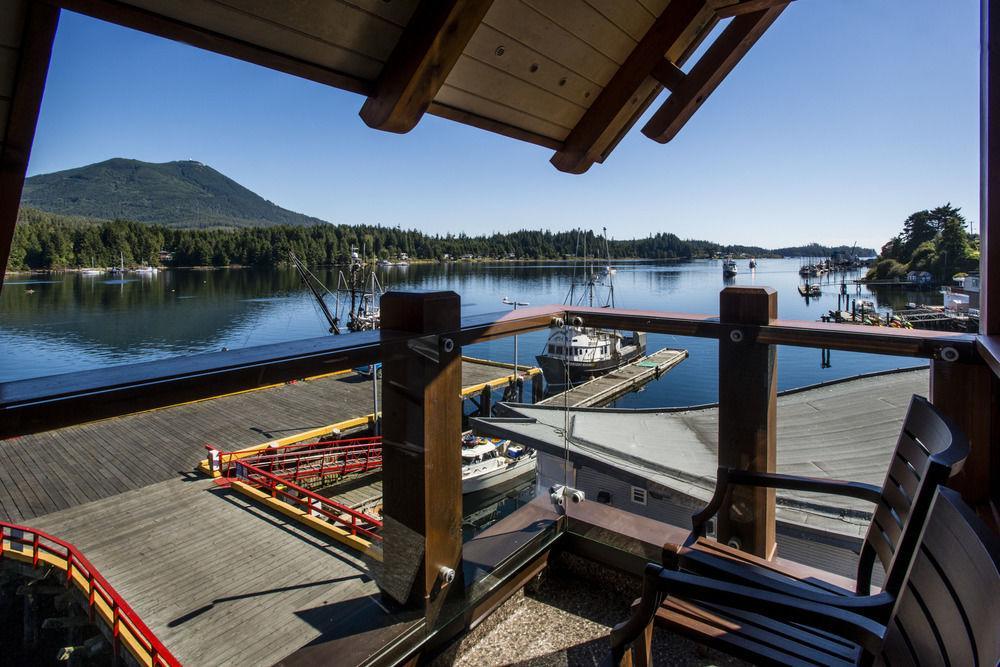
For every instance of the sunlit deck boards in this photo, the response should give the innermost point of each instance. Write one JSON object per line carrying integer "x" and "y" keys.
{"x": 218, "y": 579}
{"x": 54, "y": 470}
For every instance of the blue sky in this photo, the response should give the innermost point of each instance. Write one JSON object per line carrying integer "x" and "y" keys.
{"x": 844, "y": 118}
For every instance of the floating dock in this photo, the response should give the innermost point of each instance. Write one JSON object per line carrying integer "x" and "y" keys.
{"x": 602, "y": 390}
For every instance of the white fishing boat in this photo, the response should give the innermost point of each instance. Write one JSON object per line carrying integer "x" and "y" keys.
{"x": 574, "y": 353}
{"x": 729, "y": 267}
{"x": 488, "y": 461}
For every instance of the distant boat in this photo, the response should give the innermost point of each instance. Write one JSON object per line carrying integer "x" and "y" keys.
{"x": 753, "y": 263}
{"x": 810, "y": 290}
{"x": 385, "y": 262}
{"x": 728, "y": 268}
{"x": 147, "y": 270}
{"x": 120, "y": 269}
{"x": 91, "y": 272}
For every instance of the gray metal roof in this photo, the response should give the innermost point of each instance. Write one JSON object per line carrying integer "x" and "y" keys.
{"x": 842, "y": 430}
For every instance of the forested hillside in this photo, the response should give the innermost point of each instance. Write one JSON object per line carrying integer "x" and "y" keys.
{"x": 45, "y": 240}
{"x": 172, "y": 194}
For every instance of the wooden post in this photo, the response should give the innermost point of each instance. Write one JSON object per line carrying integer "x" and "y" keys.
{"x": 32, "y": 55}
{"x": 486, "y": 402}
{"x": 968, "y": 393}
{"x": 422, "y": 461}
{"x": 537, "y": 391}
{"x": 747, "y": 411}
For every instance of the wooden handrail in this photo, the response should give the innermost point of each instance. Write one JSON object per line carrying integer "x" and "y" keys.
{"x": 39, "y": 404}
{"x": 149, "y": 650}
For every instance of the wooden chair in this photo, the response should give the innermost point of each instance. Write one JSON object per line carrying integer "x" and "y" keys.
{"x": 930, "y": 449}
{"x": 947, "y": 610}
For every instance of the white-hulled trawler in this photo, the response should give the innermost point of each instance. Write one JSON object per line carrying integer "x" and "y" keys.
{"x": 489, "y": 461}
{"x": 575, "y": 354}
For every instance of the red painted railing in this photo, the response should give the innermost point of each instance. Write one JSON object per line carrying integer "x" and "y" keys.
{"x": 148, "y": 649}
{"x": 319, "y": 459}
{"x": 290, "y": 492}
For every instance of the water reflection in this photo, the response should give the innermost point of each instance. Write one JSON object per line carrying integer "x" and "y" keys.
{"x": 62, "y": 323}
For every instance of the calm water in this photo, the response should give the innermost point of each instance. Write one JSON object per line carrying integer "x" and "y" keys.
{"x": 67, "y": 322}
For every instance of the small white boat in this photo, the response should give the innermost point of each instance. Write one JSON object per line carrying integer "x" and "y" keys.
{"x": 91, "y": 272}
{"x": 753, "y": 263}
{"x": 729, "y": 268}
{"x": 147, "y": 270}
{"x": 385, "y": 262}
{"x": 489, "y": 461}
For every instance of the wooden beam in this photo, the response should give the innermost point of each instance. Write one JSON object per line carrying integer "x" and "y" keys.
{"x": 32, "y": 68}
{"x": 422, "y": 460}
{"x": 747, "y": 7}
{"x": 968, "y": 394}
{"x": 491, "y": 125}
{"x": 423, "y": 58}
{"x": 599, "y": 127}
{"x": 153, "y": 23}
{"x": 748, "y": 396}
{"x": 989, "y": 159}
{"x": 668, "y": 74}
{"x": 716, "y": 63}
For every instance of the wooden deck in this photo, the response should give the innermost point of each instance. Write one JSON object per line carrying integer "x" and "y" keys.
{"x": 217, "y": 578}
{"x": 55, "y": 470}
{"x": 604, "y": 389}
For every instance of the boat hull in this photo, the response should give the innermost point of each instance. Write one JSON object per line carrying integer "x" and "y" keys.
{"x": 499, "y": 475}
{"x": 558, "y": 372}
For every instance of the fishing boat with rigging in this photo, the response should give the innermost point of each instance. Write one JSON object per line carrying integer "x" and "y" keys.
{"x": 574, "y": 353}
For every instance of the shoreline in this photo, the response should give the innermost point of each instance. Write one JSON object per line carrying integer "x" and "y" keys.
{"x": 411, "y": 262}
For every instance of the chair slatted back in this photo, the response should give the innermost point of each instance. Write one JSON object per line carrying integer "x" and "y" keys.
{"x": 929, "y": 450}
{"x": 948, "y": 611}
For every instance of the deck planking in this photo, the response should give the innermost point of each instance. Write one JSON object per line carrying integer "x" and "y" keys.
{"x": 208, "y": 570}
{"x": 50, "y": 471}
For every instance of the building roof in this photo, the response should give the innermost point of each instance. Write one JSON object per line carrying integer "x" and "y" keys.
{"x": 842, "y": 430}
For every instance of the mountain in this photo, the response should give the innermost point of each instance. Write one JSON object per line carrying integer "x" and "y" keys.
{"x": 183, "y": 194}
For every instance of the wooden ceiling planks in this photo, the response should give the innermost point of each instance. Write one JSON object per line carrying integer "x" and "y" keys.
{"x": 488, "y": 108}
{"x": 623, "y": 99}
{"x": 533, "y": 30}
{"x": 716, "y": 63}
{"x": 339, "y": 36}
{"x": 492, "y": 47}
{"x": 485, "y": 81}
{"x": 422, "y": 59}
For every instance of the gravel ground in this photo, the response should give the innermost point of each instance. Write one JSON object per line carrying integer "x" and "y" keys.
{"x": 566, "y": 620}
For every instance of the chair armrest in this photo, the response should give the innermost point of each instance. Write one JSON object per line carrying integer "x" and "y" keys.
{"x": 643, "y": 611}
{"x": 728, "y": 477}
{"x": 841, "y": 622}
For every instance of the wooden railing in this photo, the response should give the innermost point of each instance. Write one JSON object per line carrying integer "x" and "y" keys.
{"x": 38, "y": 548}
{"x": 287, "y": 491}
{"x": 420, "y": 348}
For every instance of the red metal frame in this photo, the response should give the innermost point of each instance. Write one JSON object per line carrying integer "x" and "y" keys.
{"x": 279, "y": 469}
{"x": 319, "y": 459}
{"x": 97, "y": 586}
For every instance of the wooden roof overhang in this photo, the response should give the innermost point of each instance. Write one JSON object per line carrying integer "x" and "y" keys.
{"x": 570, "y": 75}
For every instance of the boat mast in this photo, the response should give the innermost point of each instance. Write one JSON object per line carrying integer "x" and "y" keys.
{"x": 611, "y": 282}
{"x": 305, "y": 274}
